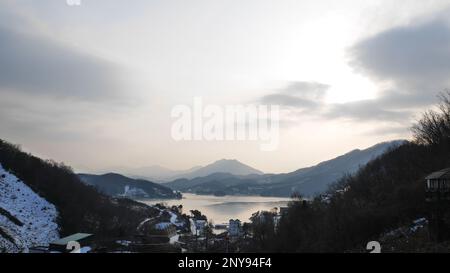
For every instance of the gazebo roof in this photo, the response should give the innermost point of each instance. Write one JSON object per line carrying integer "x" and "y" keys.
{"x": 442, "y": 174}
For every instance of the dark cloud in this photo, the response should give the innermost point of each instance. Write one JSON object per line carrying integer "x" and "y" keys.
{"x": 415, "y": 62}
{"x": 305, "y": 95}
{"x": 40, "y": 118}
{"x": 415, "y": 59}
{"x": 48, "y": 89}
{"x": 410, "y": 55}
{"x": 311, "y": 90}
{"x": 38, "y": 65}
{"x": 365, "y": 110}
{"x": 288, "y": 100}
{"x": 389, "y": 131}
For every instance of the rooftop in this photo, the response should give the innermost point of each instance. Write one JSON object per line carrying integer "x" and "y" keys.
{"x": 75, "y": 237}
{"x": 442, "y": 174}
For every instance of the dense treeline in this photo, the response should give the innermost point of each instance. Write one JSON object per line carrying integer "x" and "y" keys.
{"x": 385, "y": 194}
{"x": 81, "y": 208}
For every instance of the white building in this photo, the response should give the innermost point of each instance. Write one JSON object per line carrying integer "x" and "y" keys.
{"x": 198, "y": 227}
{"x": 235, "y": 228}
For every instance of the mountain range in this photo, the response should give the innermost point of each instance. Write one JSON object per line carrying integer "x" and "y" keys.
{"x": 161, "y": 174}
{"x": 155, "y": 173}
{"x": 306, "y": 181}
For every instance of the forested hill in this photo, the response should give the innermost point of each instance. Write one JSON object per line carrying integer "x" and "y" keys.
{"x": 81, "y": 208}
{"x": 388, "y": 193}
{"x": 121, "y": 186}
{"x": 306, "y": 181}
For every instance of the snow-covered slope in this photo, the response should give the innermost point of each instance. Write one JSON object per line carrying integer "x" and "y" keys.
{"x": 26, "y": 219}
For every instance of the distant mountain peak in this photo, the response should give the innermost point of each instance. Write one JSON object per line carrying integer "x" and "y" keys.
{"x": 243, "y": 169}
{"x": 308, "y": 181}
{"x": 225, "y": 160}
{"x": 230, "y": 166}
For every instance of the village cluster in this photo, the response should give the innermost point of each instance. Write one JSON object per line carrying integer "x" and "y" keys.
{"x": 172, "y": 231}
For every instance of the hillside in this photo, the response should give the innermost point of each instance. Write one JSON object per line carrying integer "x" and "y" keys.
{"x": 155, "y": 173}
{"x": 315, "y": 180}
{"x": 387, "y": 193}
{"x": 121, "y": 186}
{"x": 81, "y": 208}
{"x": 379, "y": 202}
{"x": 306, "y": 181}
{"x": 217, "y": 184}
{"x": 26, "y": 219}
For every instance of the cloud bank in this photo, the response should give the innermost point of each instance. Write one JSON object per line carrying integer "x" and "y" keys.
{"x": 411, "y": 63}
{"x": 39, "y": 66}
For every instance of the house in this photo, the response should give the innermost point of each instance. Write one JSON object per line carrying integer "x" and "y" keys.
{"x": 235, "y": 228}
{"x": 438, "y": 185}
{"x": 200, "y": 226}
{"x": 283, "y": 210}
{"x": 437, "y": 194}
{"x": 68, "y": 244}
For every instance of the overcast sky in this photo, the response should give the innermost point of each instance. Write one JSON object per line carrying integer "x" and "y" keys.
{"x": 93, "y": 85}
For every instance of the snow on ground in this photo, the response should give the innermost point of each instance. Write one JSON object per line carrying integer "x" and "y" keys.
{"x": 83, "y": 250}
{"x": 174, "y": 239}
{"x": 124, "y": 242}
{"x": 163, "y": 225}
{"x": 406, "y": 231}
{"x": 26, "y": 219}
{"x": 174, "y": 219}
{"x": 133, "y": 192}
{"x": 418, "y": 224}
{"x": 149, "y": 219}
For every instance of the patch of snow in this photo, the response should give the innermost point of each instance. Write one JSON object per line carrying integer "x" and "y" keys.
{"x": 150, "y": 219}
{"x": 123, "y": 242}
{"x": 407, "y": 231}
{"x": 83, "y": 250}
{"x": 174, "y": 219}
{"x": 174, "y": 239}
{"x": 421, "y": 221}
{"x": 134, "y": 192}
{"x": 418, "y": 224}
{"x": 163, "y": 225}
{"x": 143, "y": 222}
{"x": 31, "y": 221}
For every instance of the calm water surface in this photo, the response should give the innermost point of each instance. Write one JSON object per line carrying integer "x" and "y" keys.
{"x": 220, "y": 209}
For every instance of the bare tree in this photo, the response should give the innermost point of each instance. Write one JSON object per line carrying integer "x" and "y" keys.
{"x": 434, "y": 126}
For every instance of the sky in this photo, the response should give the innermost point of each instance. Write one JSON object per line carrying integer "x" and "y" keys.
{"x": 94, "y": 85}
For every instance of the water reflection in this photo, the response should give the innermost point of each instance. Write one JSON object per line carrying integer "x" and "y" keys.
{"x": 220, "y": 209}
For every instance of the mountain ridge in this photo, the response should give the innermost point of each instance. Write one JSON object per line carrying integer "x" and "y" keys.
{"x": 159, "y": 174}
{"x": 307, "y": 181}
{"x": 118, "y": 185}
